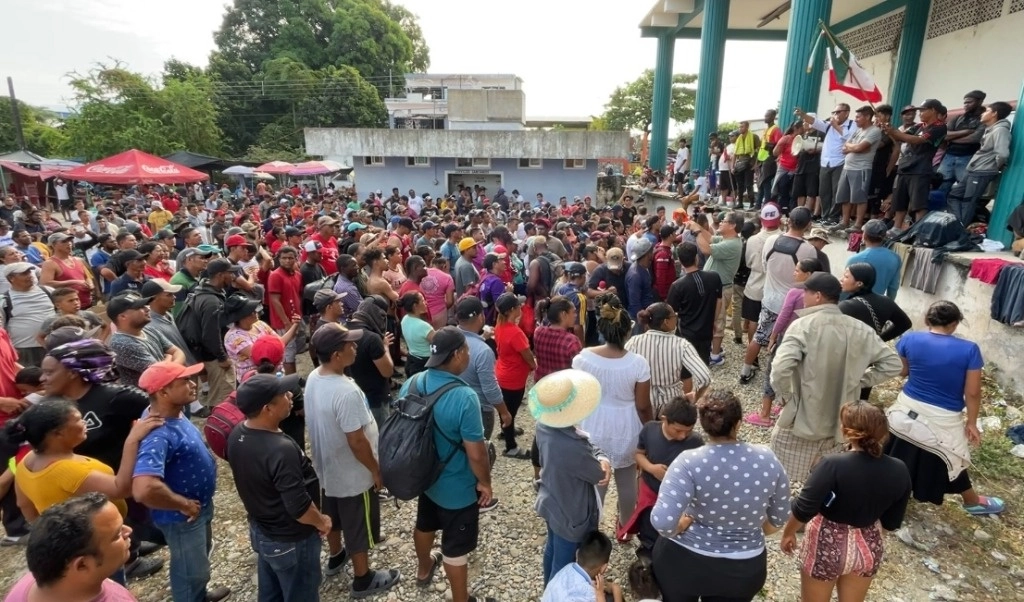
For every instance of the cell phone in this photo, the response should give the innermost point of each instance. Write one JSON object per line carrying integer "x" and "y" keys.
{"x": 913, "y": 415}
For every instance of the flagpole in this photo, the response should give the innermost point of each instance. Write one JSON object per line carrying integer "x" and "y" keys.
{"x": 842, "y": 57}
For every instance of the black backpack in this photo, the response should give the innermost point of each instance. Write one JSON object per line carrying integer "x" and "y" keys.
{"x": 408, "y": 458}
{"x": 189, "y": 322}
{"x": 787, "y": 245}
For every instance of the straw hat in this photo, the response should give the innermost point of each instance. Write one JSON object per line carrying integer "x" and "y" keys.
{"x": 564, "y": 398}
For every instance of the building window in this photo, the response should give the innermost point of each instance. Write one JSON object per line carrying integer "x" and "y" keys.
{"x": 575, "y": 164}
{"x": 530, "y": 164}
{"x": 417, "y": 161}
{"x": 474, "y": 162}
{"x": 373, "y": 161}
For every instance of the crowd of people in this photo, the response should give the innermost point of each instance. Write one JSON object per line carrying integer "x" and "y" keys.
{"x": 153, "y": 311}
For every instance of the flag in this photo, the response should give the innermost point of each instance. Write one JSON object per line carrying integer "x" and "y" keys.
{"x": 846, "y": 74}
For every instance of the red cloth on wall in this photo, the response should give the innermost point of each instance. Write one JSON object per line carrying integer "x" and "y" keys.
{"x": 987, "y": 269}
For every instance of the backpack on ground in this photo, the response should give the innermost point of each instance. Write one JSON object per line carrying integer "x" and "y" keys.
{"x": 222, "y": 420}
{"x": 406, "y": 452}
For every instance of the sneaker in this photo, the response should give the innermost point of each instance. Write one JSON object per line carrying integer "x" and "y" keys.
{"x": 517, "y": 453}
{"x": 746, "y": 379}
{"x": 142, "y": 567}
{"x": 217, "y": 594}
{"x": 893, "y": 233}
{"x": 987, "y": 504}
{"x": 336, "y": 563}
{"x": 384, "y": 495}
{"x": 147, "y": 547}
{"x": 491, "y": 505}
{"x": 853, "y": 229}
{"x": 13, "y": 540}
{"x": 716, "y": 360}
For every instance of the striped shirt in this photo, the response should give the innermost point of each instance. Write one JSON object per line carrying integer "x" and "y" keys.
{"x": 667, "y": 355}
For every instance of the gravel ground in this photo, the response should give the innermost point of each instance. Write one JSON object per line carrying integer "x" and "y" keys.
{"x": 950, "y": 556}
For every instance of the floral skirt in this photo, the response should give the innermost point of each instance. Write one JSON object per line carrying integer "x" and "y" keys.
{"x": 831, "y": 550}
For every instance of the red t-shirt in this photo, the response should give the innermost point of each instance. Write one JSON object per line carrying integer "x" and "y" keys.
{"x": 787, "y": 160}
{"x": 329, "y": 252}
{"x": 8, "y": 370}
{"x": 289, "y": 286}
{"x": 511, "y": 369}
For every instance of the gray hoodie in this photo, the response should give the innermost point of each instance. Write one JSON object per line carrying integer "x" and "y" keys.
{"x": 994, "y": 151}
{"x": 571, "y": 468}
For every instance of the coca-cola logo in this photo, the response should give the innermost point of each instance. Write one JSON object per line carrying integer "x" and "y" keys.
{"x": 169, "y": 170}
{"x": 108, "y": 170}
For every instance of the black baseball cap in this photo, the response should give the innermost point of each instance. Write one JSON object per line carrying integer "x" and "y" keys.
{"x": 824, "y": 283}
{"x": 930, "y": 103}
{"x": 126, "y": 255}
{"x": 468, "y": 308}
{"x": 261, "y": 389}
{"x": 221, "y": 265}
{"x": 446, "y": 341}
{"x": 124, "y": 302}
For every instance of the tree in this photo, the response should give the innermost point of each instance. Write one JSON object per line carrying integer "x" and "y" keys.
{"x": 342, "y": 99}
{"x": 727, "y": 126}
{"x": 41, "y": 137}
{"x": 410, "y": 24}
{"x": 630, "y": 106}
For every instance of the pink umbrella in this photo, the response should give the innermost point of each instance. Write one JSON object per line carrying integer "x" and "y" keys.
{"x": 316, "y": 168}
{"x": 276, "y": 167}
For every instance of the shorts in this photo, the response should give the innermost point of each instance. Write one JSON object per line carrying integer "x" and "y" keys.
{"x": 724, "y": 181}
{"x": 290, "y": 348}
{"x": 910, "y": 192}
{"x": 460, "y": 529}
{"x": 703, "y": 349}
{"x": 765, "y": 325}
{"x": 881, "y": 185}
{"x": 854, "y": 186}
{"x": 830, "y": 550}
{"x": 357, "y": 517}
{"x": 751, "y": 310}
{"x": 805, "y": 184}
{"x": 679, "y": 177}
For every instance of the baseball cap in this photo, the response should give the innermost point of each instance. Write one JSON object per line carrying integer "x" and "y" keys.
{"x": 466, "y": 244}
{"x": 292, "y": 231}
{"x": 325, "y": 220}
{"x": 325, "y": 296}
{"x": 469, "y": 308}
{"x": 267, "y": 346}
{"x": 929, "y": 103}
{"x": 156, "y": 286}
{"x": 261, "y": 389}
{"x": 161, "y": 374}
{"x": 614, "y": 258}
{"x": 331, "y": 337}
{"x": 427, "y": 225}
{"x": 165, "y": 233}
{"x": 221, "y": 265}
{"x": 205, "y": 249}
{"x": 312, "y": 246}
{"x": 817, "y": 234}
{"x": 124, "y": 302}
{"x": 446, "y": 341}
{"x": 236, "y": 240}
{"x": 641, "y": 248}
{"x": 67, "y": 334}
{"x": 824, "y": 283}
{"x": 771, "y": 217}
{"x": 575, "y": 268}
{"x": 667, "y": 230}
{"x": 57, "y": 237}
{"x": 356, "y": 226}
{"x": 875, "y": 228}
{"x": 19, "y": 267}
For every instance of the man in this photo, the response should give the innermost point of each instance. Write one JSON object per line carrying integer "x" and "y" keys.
{"x": 883, "y": 167}
{"x": 311, "y": 271}
{"x": 855, "y": 179}
{"x": 62, "y": 268}
{"x": 837, "y": 131}
{"x": 753, "y": 292}
{"x": 284, "y": 286}
{"x": 219, "y": 227}
{"x": 204, "y": 331}
{"x": 158, "y": 216}
{"x": 780, "y": 255}
{"x": 279, "y": 490}
{"x": 399, "y": 237}
{"x": 73, "y": 550}
{"x": 428, "y": 233}
{"x": 664, "y": 264}
{"x": 696, "y": 297}
{"x": 985, "y": 165}
{"x": 639, "y": 287}
{"x": 823, "y": 341}
{"x": 191, "y": 238}
{"x": 23, "y": 242}
{"x": 767, "y": 166}
{"x": 450, "y": 247}
{"x": 343, "y": 437}
{"x": 575, "y": 290}
{"x": 241, "y": 252}
{"x": 914, "y": 169}
{"x": 613, "y": 273}
{"x": 479, "y": 373}
{"x": 681, "y": 168}
{"x": 887, "y": 264}
{"x": 25, "y": 307}
{"x": 724, "y": 253}
{"x": 134, "y": 272}
{"x": 818, "y": 237}
{"x": 374, "y": 365}
{"x": 328, "y": 309}
{"x": 191, "y": 265}
{"x": 466, "y": 273}
{"x": 136, "y": 350}
{"x": 963, "y": 140}
{"x": 175, "y": 476}
{"x": 452, "y": 504}
{"x": 348, "y": 272}
{"x": 326, "y": 235}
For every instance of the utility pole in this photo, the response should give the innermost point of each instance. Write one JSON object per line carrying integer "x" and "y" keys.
{"x": 16, "y": 116}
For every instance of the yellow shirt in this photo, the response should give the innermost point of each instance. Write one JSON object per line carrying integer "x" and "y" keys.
{"x": 159, "y": 219}
{"x": 60, "y": 481}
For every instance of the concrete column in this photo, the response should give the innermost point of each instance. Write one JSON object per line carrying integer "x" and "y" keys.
{"x": 908, "y": 56}
{"x": 709, "y": 82}
{"x": 1011, "y": 187}
{"x": 662, "y": 101}
{"x": 799, "y": 88}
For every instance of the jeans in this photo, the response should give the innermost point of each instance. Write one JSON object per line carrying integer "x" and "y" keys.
{"x": 964, "y": 196}
{"x": 190, "y": 544}
{"x": 287, "y": 571}
{"x": 953, "y": 169}
{"x": 558, "y": 553}
{"x": 828, "y": 183}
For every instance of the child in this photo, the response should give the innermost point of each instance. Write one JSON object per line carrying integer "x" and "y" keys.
{"x": 29, "y": 382}
{"x": 67, "y": 303}
{"x": 659, "y": 443}
{"x": 584, "y": 579}
{"x": 642, "y": 582}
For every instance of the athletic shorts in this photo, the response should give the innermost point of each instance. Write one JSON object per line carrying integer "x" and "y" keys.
{"x": 765, "y": 325}
{"x": 805, "y": 184}
{"x": 289, "y": 349}
{"x": 724, "y": 181}
{"x": 460, "y": 529}
{"x": 910, "y": 193}
{"x": 854, "y": 186}
{"x": 357, "y": 517}
{"x": 679, "y": 177}
{"x": 751, "y": 310}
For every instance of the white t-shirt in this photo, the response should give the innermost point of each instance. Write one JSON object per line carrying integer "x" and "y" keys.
{"x": 29, "y": 310}
{"x": 729, "y": 158}
{"x": 681, "y": 157}
{"x": 62, "y": 191}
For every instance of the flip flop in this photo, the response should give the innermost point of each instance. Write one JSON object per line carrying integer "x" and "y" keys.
{"x": 986, "y": 505}
{"x": 757, "y": 420}
{"x": 382, "y": 581}
{"x": 425, "y": 582}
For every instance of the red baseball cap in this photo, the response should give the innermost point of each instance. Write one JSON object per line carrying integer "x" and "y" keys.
{"x": 268, "y": 347}
{"x": 161, "y": 374}
{"x": 236, "y": 240}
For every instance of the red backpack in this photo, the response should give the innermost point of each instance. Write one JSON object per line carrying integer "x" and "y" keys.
{"x": 219, "y": 425}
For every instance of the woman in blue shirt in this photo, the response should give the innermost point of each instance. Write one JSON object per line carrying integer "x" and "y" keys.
{"x": 929, "y": 432}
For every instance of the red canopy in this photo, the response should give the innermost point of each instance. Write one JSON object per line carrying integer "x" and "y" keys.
{"x": 134, "y": 167}
{"x": 275, "y": 167}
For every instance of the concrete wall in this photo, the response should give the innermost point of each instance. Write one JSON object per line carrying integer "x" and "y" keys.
{"x": 486, "y": 105}
{"x": 552, "y": 179}
{"x": 485, "y": 126}
{"x": 353, "y": 142}
{"x": 1001, "y": 345}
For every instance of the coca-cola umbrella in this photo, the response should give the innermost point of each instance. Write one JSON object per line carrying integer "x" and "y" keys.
{"x": 134, "y": 167}
{"x": 316, "y": 168}
{"x": 276, "y": 167}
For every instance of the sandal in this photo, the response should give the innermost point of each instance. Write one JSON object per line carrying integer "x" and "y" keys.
{"x": 518, "y": 453}
{"x": 437, "y": 560}
{"x": 986, "y": 505}
{"x": 776, "y": 410}
{"x": 382, "y": 581}
{"x": 758, "y": 420}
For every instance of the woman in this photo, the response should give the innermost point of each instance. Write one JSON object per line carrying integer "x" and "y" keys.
{"x": 573, "y": 466}
{"x": 929, "y": 431}
{"x": 877, "y": 311}
{"x": 244, "y": 327}
{"x": 667, "y": 356}
{"x": 374, "y": 365}
{"x": 625, "y": 406}
{"x": 492, "y": 286}
{"x": 794, "y": 301}
{"x": 515, "y": 362}
{"x": 418, "y": 332}
{"x": 845, "y": 500}
{"x": 783, "y": 188}
{"x": 713, "y": 517}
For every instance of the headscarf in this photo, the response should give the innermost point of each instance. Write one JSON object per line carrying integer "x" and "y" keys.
{"x": 89, "y": 359}
{"x": 371, "y": 315}
{"x": 865, "y": 274}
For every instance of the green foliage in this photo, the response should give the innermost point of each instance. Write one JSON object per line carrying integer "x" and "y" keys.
{"x": 630, "y": 106}
{"x": 727, "y": 126}
{"x": 41, "y": 137}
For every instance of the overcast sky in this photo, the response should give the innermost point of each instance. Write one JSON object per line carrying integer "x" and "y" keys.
{"x": 571, "y": 54}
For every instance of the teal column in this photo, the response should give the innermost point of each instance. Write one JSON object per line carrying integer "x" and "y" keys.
{"x": 1011, "y": 187}
{"x": 662, "y": 101}
{"x": 908, "y": 56}
{"x": 799, "y": 88}
{"x": 709, "y": 78}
